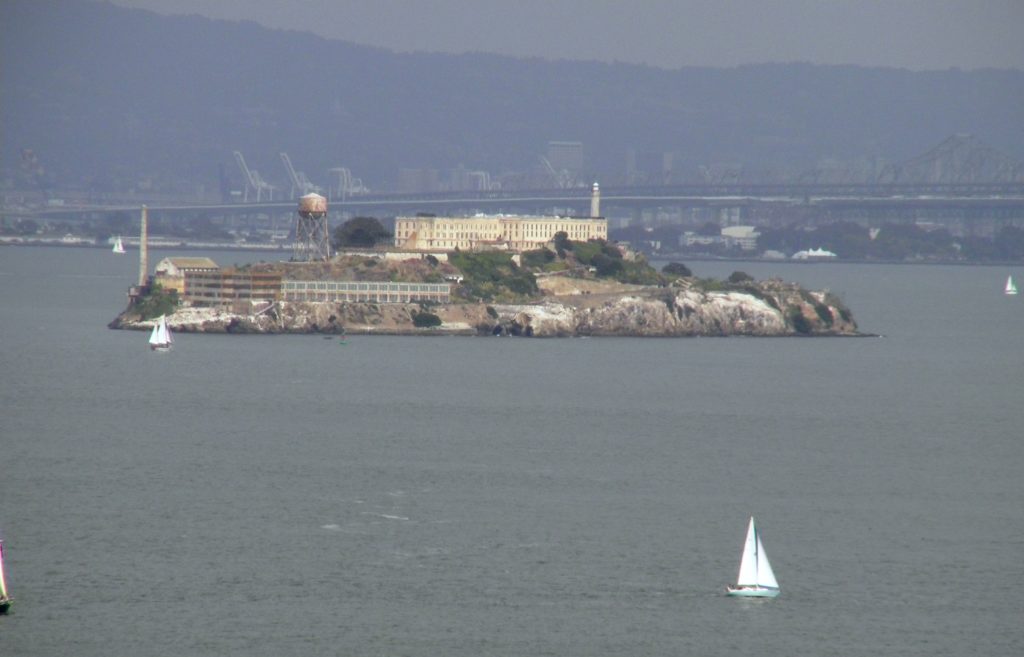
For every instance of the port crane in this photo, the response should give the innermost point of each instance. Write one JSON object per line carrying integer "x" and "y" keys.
{"x": 253, "y": 181}
{"x": 563, "y": 179}
{"x": 347, "y": 184}
{"x": 298, "y": 179}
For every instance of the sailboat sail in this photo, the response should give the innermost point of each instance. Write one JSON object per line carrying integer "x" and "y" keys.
{"x": 765, "y": 574}
{"x": 118, "y": 245}
{"x": 748, "y": 562}
{"x": 154, "y": 337}
{"x": 5, "y": 600}
{"x": 1011, "y": 287}
{"x": 161, "y": 337}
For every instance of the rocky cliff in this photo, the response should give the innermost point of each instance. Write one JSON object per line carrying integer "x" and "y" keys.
{"x": 770, "y": 308}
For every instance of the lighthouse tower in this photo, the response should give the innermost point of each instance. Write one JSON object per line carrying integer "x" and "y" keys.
{"x": 595, "y": 201}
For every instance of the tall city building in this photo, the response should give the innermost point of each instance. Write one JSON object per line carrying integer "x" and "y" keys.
{"x": 566, "y": 156}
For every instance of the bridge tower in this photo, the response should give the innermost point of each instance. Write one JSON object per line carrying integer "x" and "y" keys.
{"x": 312, "y": 241}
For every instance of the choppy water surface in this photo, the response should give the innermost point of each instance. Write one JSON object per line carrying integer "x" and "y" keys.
{"x": 291, "y": 495}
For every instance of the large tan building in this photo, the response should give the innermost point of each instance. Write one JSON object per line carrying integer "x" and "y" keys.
{"x": 483, "y": 232}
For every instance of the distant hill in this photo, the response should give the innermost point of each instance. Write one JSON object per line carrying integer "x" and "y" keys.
{"x": 106, "y": 97}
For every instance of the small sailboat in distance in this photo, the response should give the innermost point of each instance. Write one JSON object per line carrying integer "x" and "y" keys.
{"x": 756, "y": 578}
{"x": 5, "y": 600}
{"x": 1011, "y": 287}
{"x": 118, "y": 245}
{"x": 161, "y": 339}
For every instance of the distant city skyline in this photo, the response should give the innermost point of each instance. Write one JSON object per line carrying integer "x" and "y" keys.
{"x": 912, "y": 34}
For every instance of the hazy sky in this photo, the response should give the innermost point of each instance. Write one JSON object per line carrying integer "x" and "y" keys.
{"x": 915, "y": 34}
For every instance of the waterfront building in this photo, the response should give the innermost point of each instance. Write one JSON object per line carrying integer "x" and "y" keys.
{"x": 366, "y": 291}
{"x": 744, "y": 237}
{"x": 170, "y": 272}
{"x": 493, "y": 232}
{"x": 232, "y": 287}
{"x": 814, "y": 254}
{"x": 242, "y": 290}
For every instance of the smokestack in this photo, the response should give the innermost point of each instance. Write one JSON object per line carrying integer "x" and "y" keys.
{"x": 595, "y": 201}
{"x": 144, "y": 247}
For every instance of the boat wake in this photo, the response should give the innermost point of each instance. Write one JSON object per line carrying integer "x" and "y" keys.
{"x": 384, "y": 515}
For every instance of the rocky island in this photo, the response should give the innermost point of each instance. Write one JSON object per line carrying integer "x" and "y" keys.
{"x": 572, "y": 289}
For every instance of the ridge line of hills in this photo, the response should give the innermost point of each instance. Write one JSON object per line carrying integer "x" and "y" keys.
{"x": 108, "y": 98}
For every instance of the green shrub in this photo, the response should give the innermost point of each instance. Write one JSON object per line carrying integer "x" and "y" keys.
{"x": 677, "y": 269}
{"x": 606, "y": 265}
{"x": 824, "y": 313}
{"x": 800, "y": 323}
{"x": 156, "y": 302}
{"x": 425, "y": 320}
{"x": 586, "y": 252}
{"x": 639, "y": 273}
{"x": 492, "y": 275}
{"x": 740, "y": 277}
{"x": 537, "y": 258}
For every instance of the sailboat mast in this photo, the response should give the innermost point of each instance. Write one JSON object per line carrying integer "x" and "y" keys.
{"x": 3, "y": 583}
{"x": 757, "y": 556}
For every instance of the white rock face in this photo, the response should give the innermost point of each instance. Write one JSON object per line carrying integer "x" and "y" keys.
{"x": 665, "y": 312}
{"x": 727, "y": 313}
{"x": 543, "y": 319}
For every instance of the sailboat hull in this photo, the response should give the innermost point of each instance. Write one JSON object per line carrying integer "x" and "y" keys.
{"x": 752, "y": 592}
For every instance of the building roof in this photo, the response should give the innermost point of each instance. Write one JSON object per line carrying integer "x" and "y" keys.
{"x": 191, "y": 263}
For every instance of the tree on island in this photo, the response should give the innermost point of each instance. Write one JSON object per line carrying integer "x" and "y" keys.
{"x": 359, "y": 232}
{"x": 562, "y": 243}
{"x": 677, "y": 269}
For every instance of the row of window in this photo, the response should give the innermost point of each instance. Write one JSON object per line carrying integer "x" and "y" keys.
{"x": 375, "y": 297}
{"x": 332, "y": 286}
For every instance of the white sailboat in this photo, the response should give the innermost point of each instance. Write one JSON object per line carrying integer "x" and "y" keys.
{"x": 5, "y": 600}
{"x": 1011, "y": 287}
{"x": 756, "y": 578}
{"x": 118, "y": 245}
{"x": 161, "y": 339}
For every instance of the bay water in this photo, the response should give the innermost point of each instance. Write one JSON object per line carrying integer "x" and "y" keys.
{"x": 294, "y": 495}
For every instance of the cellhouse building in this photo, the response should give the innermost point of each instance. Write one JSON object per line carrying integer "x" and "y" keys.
{"x": 497, "y": 232}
